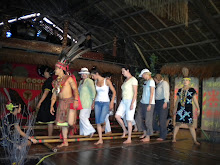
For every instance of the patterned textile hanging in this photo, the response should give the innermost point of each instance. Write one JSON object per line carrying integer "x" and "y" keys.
{"x": 175, "y": 10}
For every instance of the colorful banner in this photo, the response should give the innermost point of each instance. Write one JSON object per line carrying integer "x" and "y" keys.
{"x": 211, "y": 104}
{"x": 194, "y": 84}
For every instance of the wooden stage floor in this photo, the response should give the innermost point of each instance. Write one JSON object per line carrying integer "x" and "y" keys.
{"x": 114, "y": 152}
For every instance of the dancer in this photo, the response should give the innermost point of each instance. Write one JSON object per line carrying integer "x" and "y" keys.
{"x": 128, "y": 103}
{"x": 183, "y": 111}
{"x": 66, "y": 89}
{"x": 146, "y": 106}
{"x": 102, "y": 102}
{"x": 87, "y": 94}
{"x": 162, "y": 94}
{"x": 44, "y": 116}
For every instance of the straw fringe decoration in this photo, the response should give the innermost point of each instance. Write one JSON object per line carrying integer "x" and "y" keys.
{"x": 202, "y": 71}
{"x": 175, "y": 10}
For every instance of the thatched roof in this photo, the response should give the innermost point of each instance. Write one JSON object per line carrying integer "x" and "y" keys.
{"x": 170, "y": 40}
{"x": 200, "y": 70}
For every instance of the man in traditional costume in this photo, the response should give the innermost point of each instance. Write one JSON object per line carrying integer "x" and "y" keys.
{"x": 65, "y": 88}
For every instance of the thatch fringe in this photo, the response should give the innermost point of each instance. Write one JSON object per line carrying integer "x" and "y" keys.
{"x": 202, "y": 70}
{"x": 175, "y": 10}
{"x": 50, "y": 60}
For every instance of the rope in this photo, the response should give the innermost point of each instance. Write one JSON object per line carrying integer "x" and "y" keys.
{"x": 44, "y": 158}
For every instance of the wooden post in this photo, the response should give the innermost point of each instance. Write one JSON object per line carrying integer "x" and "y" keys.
{"x": 172, "y": 94}
{"x": 114, "y": 53}
{"x": 65, "y": 31}
{"x": 5, "y": 26}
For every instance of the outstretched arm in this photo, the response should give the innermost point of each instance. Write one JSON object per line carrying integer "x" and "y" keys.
{"x": 46, "y": 91}
{"x": 24, "y": 135}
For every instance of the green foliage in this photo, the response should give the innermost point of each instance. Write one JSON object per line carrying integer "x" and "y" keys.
{"x": 153, "y": 63}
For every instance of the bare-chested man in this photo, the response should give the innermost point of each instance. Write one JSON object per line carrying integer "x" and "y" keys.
{"x": 66, "y": 89}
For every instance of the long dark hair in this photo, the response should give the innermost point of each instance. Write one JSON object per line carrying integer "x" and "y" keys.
{"x": 94, "y": 70}
{"x": 131, "y": 69}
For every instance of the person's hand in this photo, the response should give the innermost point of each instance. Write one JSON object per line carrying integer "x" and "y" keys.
{"x": 149, "y": 107}
{"x": 198, "y": 112}
{"x": 131, "y": 107}
{"x": 52, "y": 110}
{"x": 75, "y": 104}
{"x": 33, "y": 140}
{"x": 93, "y": 105}
{"x": 38, "y": 105}
{"x": 111, "y": 105}
{"x": 165, "y": 105}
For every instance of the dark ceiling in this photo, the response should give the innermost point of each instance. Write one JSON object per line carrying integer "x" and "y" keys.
{"x": 170, "y": 41}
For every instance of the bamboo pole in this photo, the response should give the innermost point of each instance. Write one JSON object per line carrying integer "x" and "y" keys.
{"x": 82, "y": 139}
{"x": 82, "y": 136}
{"x": 142, "y": 56}
{"x": 58, "y": 127}
{"x": 52, "y": 148}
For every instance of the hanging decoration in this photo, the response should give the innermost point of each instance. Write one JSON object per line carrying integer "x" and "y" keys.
{"x": 175, "y": 10}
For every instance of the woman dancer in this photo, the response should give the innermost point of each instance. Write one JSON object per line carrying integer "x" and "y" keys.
{"x": 183, "y": 111}
{"x": 128, "y": 103}
{"x": 44, "y": 116}
{"x": 102, "y": 102}
{"x": 87, "y": 94}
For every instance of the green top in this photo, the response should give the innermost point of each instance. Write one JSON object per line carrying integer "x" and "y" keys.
{"x": 87, "y": 92}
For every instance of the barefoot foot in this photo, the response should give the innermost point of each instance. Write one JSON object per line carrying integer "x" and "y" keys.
{"x": 174, "y": 140}
{"x": 99, "y": 142}
{"x": 145, "y": 139}
{"x": 124, "y": 134}
{"x": 196, "y": 143}
{"x": 142, "y": 136}
{"x": 127, "y": 142}
{"x": 63, "y": 145}
{"x": 160, "y": 139}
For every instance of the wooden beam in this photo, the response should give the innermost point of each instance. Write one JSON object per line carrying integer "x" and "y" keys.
{"x": 65, "y": 32}
{"x": 206, "y": 17}
{"x": 142, "y": 56}
{"x": 37, "y": 46}
{"x": 184, "y": 46}
{"x": 170, "y": 27}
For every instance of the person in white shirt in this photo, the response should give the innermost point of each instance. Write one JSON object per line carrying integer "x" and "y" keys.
{"x": 102, "y": 103}
{"x": 128, "y": 103}
{"x": 147, "y": 104}
{"x": 162, "y": 94}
